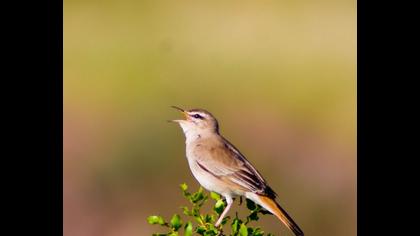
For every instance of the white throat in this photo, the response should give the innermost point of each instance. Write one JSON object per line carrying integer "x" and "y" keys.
{"x": 192, "y": 133}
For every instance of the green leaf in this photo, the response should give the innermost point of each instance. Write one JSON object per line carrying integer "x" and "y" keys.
{"x": 155, "y": 220}
{"x": 184, "y": 187}
{"x": 208, "y": 219}
{"x": 215, "y": 196}
{"x": 201, "y": 230}
{"x": 188, "y": 229}
{"x": 219, "y": 206}
{"x": 186, "y": 211}
{"x": 204, "y": 200}
{"x": 176, "y": 222}
{"x": 250, "y": 205}
{"x": 211, "y": 231}
{"x": 257, "y": 232}
{"x": 254, "y": 216}
{"x": 196, "y": 197}
{"x": 199, "y": 220}
{"x": 195, "y": 212}
{"x": 243, "y": 230}
{"x": 235, "y": 225}
{"x": 205, "y": 222}
{"x": 225, "y": 220}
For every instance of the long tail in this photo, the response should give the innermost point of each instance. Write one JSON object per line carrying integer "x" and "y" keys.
{"x": 272, "y": 206}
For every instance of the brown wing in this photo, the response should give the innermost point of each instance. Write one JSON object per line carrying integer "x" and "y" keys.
{"x": 224, "y": 161}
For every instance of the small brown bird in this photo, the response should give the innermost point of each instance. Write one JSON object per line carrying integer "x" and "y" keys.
{"x": 219, "y": 167}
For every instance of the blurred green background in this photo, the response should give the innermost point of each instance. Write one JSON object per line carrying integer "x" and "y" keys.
{"x": 279, "y": 75}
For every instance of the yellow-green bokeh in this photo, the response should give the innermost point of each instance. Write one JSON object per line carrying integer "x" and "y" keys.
{"x": 279, "y": 75}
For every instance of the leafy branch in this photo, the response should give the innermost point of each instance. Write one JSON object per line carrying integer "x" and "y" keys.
{"x": 203, "y": 224}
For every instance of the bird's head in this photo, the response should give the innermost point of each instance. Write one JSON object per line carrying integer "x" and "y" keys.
{"x": 197, "y": 121}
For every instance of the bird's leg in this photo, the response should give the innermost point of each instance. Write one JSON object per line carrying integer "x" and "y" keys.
{"x": 229, "y": 202}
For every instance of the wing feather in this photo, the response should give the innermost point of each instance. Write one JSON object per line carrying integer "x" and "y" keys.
{"x": 224, "y": 161}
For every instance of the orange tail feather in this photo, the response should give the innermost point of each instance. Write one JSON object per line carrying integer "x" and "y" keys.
{"x": 272, "y": 206}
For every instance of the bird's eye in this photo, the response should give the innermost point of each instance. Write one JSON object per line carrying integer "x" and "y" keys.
{"x": 197, "y": 116}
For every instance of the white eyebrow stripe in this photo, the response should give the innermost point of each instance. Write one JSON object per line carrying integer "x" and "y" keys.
{"x": 198, "y": 113}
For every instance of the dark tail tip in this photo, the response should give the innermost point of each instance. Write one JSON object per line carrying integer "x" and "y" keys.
{"x": 292, "y": 225}
{"x": 297, "y": 231}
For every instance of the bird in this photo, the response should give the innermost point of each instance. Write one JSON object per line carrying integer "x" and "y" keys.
{"x": 220, "y": 167}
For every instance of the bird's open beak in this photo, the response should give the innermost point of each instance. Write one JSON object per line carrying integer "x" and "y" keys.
{"x": 183, "y": 112}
